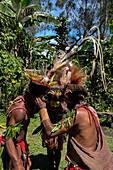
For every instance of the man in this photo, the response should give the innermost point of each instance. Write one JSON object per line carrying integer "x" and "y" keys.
{"x": 56, "y": 110}
{"x": 15, "y": 155}
{"x": 87, "y": 148}
{"x": 14, "y": 150}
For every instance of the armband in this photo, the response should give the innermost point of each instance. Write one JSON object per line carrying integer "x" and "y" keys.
{"x": 44, "y": 115}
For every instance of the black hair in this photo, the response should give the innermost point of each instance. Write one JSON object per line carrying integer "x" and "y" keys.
{"x": 75, "y": 92}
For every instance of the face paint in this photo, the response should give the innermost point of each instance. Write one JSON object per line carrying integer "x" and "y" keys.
{"x": 66, "y": 96}
{"x": 54, "y": 103}
{"x": 55, "y": 97}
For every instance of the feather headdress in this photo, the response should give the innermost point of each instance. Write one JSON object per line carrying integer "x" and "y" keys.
{"x": 70, "y": 74}
{"x": 97, "y": 53}
{"x": 71, "y": 79}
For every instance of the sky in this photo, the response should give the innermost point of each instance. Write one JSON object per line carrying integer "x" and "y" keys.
{"x": 50, "y": 32}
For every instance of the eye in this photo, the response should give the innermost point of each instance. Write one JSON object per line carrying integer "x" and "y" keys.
{"x": 49, "y": 95}
{"x": 61, "y": 98}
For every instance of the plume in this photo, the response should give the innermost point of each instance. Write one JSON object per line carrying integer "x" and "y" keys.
{"x": 97, "y": 53}
{"x": 77, "y": 76}
{"x": 70, "y": 74}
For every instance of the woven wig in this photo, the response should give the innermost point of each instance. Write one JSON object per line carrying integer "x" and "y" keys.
{"x": 37, "y": 89}
{"x": 37, "y": 86}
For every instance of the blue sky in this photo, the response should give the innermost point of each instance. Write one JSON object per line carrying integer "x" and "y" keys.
{"x": 55, "y": 13}
{"x": 50, "y": 32}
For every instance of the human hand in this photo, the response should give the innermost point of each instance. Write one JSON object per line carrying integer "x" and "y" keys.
{"x": 52, "y": 143}
{"x": 19, "y": 167}
{"x": 41, "y": 104}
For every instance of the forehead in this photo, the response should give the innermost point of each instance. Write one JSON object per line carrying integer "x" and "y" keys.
{"x": 55, "y": 94}
{"x": 55, "y": 90}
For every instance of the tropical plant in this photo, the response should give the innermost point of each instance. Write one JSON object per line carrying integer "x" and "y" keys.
{"x": 62, "y": 32}
{"x": 20, "y": 14}
{"x": 17, "y": 47}
{"x": 12, "y": 78}
{"x": 24, "y": 13}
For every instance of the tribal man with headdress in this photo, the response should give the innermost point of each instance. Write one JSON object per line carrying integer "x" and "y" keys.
{"x": 56, "y": 111}
{"x": 87, "y": 148}
{"x": 14, "y": 153}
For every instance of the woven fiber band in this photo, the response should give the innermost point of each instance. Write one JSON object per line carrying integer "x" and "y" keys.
{"x": 44, "y": 115}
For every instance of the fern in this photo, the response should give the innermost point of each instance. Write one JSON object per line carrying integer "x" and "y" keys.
{"x": 12, "y": 131}
{"x": 67, "y": 121}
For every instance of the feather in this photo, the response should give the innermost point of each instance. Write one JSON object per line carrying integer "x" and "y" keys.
{"x": 77, "y": 77}
{"x": 68, "y": 77}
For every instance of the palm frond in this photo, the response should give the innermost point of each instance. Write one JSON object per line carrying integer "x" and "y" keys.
{"x": 6, "y": 9}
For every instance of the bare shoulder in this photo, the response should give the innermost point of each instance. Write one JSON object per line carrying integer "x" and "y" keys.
{"x": 17, "y": 115}
{"x": 82, "y": 114}
{"x": 81, "y": 111}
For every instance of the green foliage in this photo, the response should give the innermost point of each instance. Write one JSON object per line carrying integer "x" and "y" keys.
{"x": 12, "y": 77}
{"x": 26, "y": 14}
{"x": 111, "y": 26}
{"x": 97, "y": 97}
{"x": 102, "y": 119}
{"x": 110, "y": 142}
{"x": 17, "y": 48}
{"x": 67, "y": 121}
{"x": 106, "y": 120}
{"x": 13, "y": 131}
{"x": 2, "y": 118}
{"x": 38, "y": 154}
{"x": 17, "y": 1}
{"x": 6, "y": 9}
{"x": 45, "y": 17}
{"x": 62, "y": 32}
{"x": 57, "y": 127}
{"x": 24, "y": 3}
{"x": 14, "y": 38}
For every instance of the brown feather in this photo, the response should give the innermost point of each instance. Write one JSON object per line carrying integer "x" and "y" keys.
{"x": 77, "y": 76}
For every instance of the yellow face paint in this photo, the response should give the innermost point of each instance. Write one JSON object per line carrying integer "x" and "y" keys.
{"x": 66, "y": 96}
{"x": 55, "y": 96}
{"x": 54, "y": 103}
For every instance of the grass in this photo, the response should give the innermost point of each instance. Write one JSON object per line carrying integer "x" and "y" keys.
{"x": 110, "y": 142}
{"x": 38, "y": 154}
